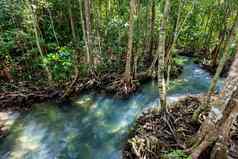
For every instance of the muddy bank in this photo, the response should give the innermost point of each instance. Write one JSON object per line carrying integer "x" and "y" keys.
{"x": 20, "y": 96}
{"x": 155, "y": 137}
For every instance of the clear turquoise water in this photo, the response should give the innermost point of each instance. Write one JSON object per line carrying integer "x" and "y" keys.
{"x": 93, "y": 126}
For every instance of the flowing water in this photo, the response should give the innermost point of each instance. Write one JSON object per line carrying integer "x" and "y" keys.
{"x": 93, "y": 126}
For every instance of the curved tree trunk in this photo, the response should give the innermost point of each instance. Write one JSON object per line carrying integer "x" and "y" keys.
{"x": 216, "y": 128}
{"x": 229, "y": 40}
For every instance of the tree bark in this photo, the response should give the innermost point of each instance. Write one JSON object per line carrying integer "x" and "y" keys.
{"x": 130, "y": 40}
{"x": 216, "y": 128}
{"x": 84, "y": 32}
{"x": 152, "y": 27}
{"x": 161, "y": 57}
{"x": 88, "y": 30}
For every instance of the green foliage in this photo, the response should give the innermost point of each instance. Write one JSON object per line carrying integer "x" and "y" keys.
{"x": 60, "y": 63}
{"x": 180, "y": 60}
{"x": 176, "y": 154}
{"x": 206, "y": 20}
{"x": 232, "y": 49}
{"x": 13, "y": 39}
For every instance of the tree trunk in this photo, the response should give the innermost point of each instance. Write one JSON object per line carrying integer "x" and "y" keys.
{"x": 216, "y": 128}
{"x": 72, "y": 22}
{"x": 161, "y": 57}
{"x": 84, "y": 32}
{"x": 152, "y": 27}
{"x": 177, "y": 32}
{"x": 130, "y": 40}
{"x": 98, "y": 22}
{"x": 53, "y": 27}
{"x": 178, "y": 29}
{"x": 168, "y": 58}
{"x": 88, "y": 31}
{"x": 217, "y": 49}
{"x": 35, "y": 26}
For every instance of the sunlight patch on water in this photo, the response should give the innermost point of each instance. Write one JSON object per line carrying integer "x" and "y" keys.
{"x": 93, "y": 126}
{"x": 28, "y": 141}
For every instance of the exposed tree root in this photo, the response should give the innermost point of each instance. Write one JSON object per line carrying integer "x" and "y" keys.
{"x": 178, "y": 132}
{"x": 25, "y": 95}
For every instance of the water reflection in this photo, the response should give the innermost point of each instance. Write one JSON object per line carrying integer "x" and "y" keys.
{"x": 92, "y": 127}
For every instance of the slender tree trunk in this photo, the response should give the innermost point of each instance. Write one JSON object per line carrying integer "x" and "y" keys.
{"x": 146, "y": 30}
{"x": 207, "y": 29}
{"x": 35, "y": 26}
{"x": 87, "y": 14}
{"x": 221, "y": 38}
{"x": 217, "y": 49}
{"x": 52, "y": 25}
{"x": 216, "y": 128}
{"x": 178, "y": 29}
{"x": 229, "y": 40}
{"x": 171, "y": 49}
{"x": 139, "y": 45}
{"x": 130, "y": 40}
{"x": 72, "y": 21}
{"x": 152, "y": 27}
{"x": 84, "y": 32}
{"x": 161, "y": 53}
{"x": 98, "y": 22}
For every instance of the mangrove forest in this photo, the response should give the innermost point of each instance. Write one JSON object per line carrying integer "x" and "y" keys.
{"x": 118, "y": 79}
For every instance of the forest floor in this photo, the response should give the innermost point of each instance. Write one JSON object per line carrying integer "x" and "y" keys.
{"x": 156, "y": 137}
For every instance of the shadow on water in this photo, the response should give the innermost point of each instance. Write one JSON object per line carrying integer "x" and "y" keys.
{"x": 93, "y": 126}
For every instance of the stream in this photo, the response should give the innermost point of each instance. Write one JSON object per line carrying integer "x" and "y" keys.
{"x": 93, "y": 126}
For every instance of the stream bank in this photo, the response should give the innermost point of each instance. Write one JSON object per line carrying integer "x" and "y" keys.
{"x": 93, "y": 125}
{"x": 19, "y": 97}
{"x": 154, "y": 137}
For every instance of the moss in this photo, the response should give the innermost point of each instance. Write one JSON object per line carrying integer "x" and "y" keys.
{"x": 176, "y": 154}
